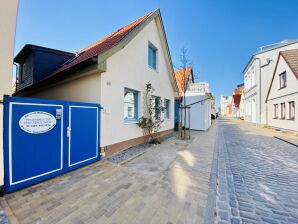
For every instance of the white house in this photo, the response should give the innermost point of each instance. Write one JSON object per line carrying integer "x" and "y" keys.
{"x": 283, "y": 92}
{"x": 8, "y": 15}
{"x": 112, "y": 72}
{"x": 257, "y": 77}
{"x": 225, "y": 106}
{"x": 201, "y": 103}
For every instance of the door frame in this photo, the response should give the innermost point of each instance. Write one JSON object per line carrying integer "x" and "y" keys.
{"x": 69, "y": 136}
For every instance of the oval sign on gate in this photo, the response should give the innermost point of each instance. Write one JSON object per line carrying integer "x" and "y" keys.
{"x": 37, "y": 122}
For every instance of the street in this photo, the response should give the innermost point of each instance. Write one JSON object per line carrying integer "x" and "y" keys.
{"x": 257, "y": 176}
{"x": 254, "y": 179}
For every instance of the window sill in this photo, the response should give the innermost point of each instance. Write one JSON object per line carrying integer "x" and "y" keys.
{"x": 291, "y": 119}
{"x": 282, "y": 87}
{"x": 153, "y": 69}
{"x": 131, "y": 121}
{"x": 282, "y": 118}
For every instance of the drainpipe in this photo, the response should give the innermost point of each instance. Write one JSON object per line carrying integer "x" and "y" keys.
{"x": 260, "y": 84}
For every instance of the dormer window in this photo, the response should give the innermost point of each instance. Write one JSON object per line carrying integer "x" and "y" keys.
{"x": 21, "y": 77}
{"x": 152, "y": 56}
{"x": 282, "y": 80}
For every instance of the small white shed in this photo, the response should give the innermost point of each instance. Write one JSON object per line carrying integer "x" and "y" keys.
{"x": 200, "y": 110}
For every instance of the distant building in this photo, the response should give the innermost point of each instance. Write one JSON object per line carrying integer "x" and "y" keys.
{"x": 238, "y": 102}
{"x": 202, "y": 105}
{"x": 282, "y": 96}
{"x": 184, "y": 77}
{"x": 226, "y": 106}
{"x": 257, "y": 77}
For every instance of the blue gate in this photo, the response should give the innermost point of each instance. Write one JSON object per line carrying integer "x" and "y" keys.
{"x": 45, "y": 138}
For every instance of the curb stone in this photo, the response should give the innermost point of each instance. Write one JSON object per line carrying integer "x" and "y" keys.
{"x": 212, "y": 193}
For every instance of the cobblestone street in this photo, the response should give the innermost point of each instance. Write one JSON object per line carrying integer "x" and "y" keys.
{"x": 257, "y": 176}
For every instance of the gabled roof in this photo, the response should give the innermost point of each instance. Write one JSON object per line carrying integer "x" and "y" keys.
{"x": 182, "y": 76}
{"x": 105, "y": 43}
{"x": 272, "y": 47}
{"x": 291, "y": 58}
{"x": 107, "y": 46}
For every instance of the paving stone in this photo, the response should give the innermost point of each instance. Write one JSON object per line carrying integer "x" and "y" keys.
{"x": 233, "y": 204}
{"x": 260, "y": 172}
{"x": 271, "y": 221}
{"x": 234, "y": 211}
{"x": 235, "y": 221}
{"x": 224, "y": 215}
{"x": 105, "y": 192}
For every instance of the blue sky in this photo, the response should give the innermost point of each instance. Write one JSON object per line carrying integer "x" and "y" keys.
{"x": 220, "y": 35}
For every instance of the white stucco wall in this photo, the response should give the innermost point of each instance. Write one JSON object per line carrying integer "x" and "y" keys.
{"x": 8, "y": 14}
{"x": 253, "y": 94}
{"x": 128, "y": 68}
{"x": 84, "y": 89}
{"x": 285, "y": 95}
{"x": 200, "y": 113}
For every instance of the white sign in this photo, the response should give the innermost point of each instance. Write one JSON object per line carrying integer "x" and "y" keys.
{"x": 37, "y": 122}
{"x": 201, "y": 87}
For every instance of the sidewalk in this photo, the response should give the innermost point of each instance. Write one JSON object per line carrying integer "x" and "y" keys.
{"x": 282, "y": 135}
{"x": 175, "y": 192}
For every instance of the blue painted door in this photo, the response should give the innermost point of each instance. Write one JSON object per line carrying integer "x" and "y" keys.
{"x": 177, "y": 114}
{"x": 45, "y": 138}
{"x": 82, "y": 134}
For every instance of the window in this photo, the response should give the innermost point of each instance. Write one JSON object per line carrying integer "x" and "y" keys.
{"x": 292, "y": 110}
{"x": 253, "y": 79}
{"x": 167, "y": 109}
{"x": 156, "y": 104}
{"x": 152, "y": 56}
{"x": 282, "y": 111}
{"x": 21, "y": 73}
{"x": 130, "y": 105}
{"x": 275, "y": 111}
{"x": 283, "y": 80}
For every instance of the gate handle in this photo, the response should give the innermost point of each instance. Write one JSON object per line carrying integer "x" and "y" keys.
{"x": 68, "y": 131}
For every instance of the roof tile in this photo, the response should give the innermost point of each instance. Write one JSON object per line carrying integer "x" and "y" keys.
{"x": 182, "y": 76}
{"x": 104, "y": 44}
{"x": 291, "y": 57}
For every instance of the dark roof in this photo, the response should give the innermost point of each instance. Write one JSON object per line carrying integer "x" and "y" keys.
{"x": 29, "y": 47}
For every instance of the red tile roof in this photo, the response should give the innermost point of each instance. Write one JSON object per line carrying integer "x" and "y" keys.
{"x": 237, "y": 100}
{"x": 104, "y": 44}
{"x": 182, "y": 76}
{"x": 238, "y": 90}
